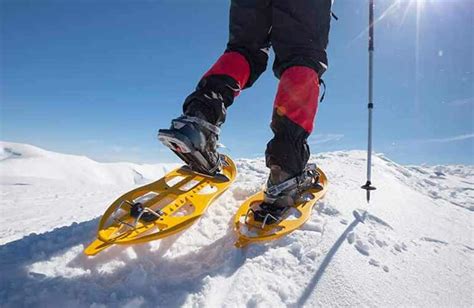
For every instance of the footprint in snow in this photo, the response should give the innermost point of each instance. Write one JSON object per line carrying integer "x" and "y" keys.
{"x": 327, "y": 210}
{"x": 381, "y": 243}
{"x": 362, "y": 247}
{"x": 351, "y": 237}
{"x": 374, "y": 262}
{"x": 400, "y": 247}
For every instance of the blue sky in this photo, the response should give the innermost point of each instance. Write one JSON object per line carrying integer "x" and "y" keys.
{"x": 99, "y": 78}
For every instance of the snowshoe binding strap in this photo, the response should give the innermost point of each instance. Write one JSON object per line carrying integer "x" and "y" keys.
{"x": 215, "y": 172}
{"x": 269, "y": 214}
{"x": 269, "y": 211}
{"x": 141, "y": 213}
{"x": 308, "y": 178}
{"x": 182, "y": 120}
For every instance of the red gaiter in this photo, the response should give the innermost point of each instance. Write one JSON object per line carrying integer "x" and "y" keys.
{"x": 297, "y": 96}
{"x": 232, "y": 64}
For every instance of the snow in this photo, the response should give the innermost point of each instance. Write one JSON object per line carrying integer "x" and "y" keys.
{"x": 415, "y": 249}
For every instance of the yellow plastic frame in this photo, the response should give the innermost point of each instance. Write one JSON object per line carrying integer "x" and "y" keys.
{"x": 273, "y": 231}
{"x": 167, "y": 224}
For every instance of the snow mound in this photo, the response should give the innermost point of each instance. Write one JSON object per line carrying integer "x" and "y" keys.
{"x": 415, "y": 249}
{"x": 26, "y": 161}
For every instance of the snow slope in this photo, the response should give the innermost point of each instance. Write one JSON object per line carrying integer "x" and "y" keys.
{"x": 416, "y": 248}
{"x": 53, "y": 190}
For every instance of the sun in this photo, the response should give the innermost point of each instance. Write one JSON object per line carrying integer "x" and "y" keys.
{"x": 401, "y": 9}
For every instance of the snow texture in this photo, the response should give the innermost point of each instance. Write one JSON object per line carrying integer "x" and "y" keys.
{"x": 415, "y": 248}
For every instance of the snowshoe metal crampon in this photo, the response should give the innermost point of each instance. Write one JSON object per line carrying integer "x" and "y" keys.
{"x": 162, "y": 208}
{"x": 250, "y": 230}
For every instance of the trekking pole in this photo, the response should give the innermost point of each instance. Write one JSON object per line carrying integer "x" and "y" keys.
{"x": 368, "y": 185}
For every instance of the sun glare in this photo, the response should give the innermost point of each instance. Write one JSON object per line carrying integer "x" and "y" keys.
{"x": 396, "y": 6}
{"x": 420, "y": 4}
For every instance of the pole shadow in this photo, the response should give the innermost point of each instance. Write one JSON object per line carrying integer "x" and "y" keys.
{"x": 324, "y": 264}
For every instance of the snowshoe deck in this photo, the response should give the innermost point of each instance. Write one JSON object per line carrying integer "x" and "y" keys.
{"x": 250, "y": 231}
{"x": 177, "y": 200}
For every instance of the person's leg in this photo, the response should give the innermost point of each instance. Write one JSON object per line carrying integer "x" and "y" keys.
{"x": 299, "y": 37}
{"x": 193, "y": 136}
{"x": 239, "y": 67}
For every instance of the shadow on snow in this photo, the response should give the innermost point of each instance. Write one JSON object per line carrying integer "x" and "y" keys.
{"x": 145, "y": 275}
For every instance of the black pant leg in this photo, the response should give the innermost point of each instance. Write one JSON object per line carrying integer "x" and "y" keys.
{"x": 249, "y": 36}
{"x": 300, "y": 34}
{"x": 299, "y": 38}
{"x": 249, "y": 33}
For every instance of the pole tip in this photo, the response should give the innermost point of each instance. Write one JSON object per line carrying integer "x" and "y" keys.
{"x": 368, "y": 186}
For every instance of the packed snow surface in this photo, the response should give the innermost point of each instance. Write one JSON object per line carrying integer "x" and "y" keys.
{"x": 415, "y": 248}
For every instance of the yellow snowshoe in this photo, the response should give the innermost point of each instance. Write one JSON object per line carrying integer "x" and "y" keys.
{"x": 162, "y": 208}
{"x": 251, "y": 228}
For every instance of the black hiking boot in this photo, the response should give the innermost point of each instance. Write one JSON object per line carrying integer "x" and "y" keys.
{"x": 194, "y": 140}
{"x": 283, "y": 191}
{"x": 193, "y": 136}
